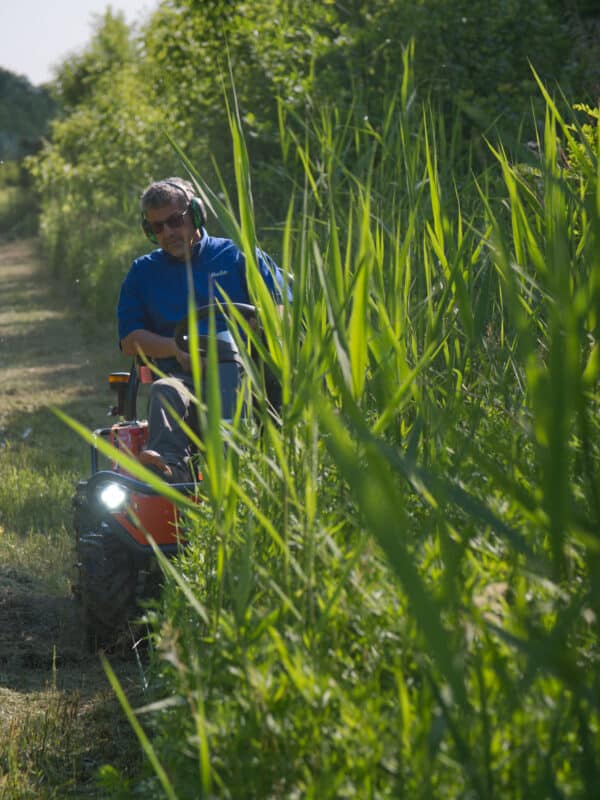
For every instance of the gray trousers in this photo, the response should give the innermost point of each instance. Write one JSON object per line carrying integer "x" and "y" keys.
{"x": 172, "y": 399}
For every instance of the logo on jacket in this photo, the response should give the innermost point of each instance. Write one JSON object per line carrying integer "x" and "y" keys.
{"x": 219, "y": 274}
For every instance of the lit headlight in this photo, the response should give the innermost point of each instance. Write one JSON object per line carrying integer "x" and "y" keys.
{"x": 113, "y": 496}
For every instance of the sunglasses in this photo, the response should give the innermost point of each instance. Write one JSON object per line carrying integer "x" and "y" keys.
{"x": 176, "y": 220}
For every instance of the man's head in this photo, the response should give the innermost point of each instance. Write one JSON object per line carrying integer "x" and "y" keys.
{"x": 172, "y": 216}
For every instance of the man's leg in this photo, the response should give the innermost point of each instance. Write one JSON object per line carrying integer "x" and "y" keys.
{"x": 168, "y": 448}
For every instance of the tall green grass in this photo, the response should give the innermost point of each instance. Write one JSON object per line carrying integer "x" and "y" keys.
{"x": 395, "y": 581}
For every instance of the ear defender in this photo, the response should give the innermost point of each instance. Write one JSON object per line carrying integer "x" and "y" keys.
{"x": 195, "y": 205}
{"x": 198, "y": 212}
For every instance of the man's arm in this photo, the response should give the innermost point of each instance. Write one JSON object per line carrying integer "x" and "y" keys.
{"x": 154, "y": 346}
{"x": 151, "y": 344}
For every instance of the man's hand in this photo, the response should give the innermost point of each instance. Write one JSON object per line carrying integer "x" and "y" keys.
{"x": 183, "y": 359}
{"x": 155, "y": 346}
{"x": 185, "y": 362}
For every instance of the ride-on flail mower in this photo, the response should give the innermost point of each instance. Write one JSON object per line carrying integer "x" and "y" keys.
{"x": 116, "y": 514}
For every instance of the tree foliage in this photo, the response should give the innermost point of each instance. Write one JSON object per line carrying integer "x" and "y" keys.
{"x": 25, "y": 111}
{"x": 85, "y": 75}
{"x": 288, "y": 61}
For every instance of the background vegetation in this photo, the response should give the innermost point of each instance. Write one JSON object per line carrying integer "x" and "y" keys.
{"x": 25, "y": 112}
{"x": 288, "y": 61}
{"x": 392, "y": 592}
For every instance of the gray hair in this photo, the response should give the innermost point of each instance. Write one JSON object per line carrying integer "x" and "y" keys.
{"x": 166, "y": 192}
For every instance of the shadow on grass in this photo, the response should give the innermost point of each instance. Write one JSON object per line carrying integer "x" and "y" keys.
{"x": 38, "y": 632}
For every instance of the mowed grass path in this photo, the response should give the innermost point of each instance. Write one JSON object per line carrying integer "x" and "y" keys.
{"x": 59, "y": 721}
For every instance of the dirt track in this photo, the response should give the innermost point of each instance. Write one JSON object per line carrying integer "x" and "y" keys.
{"x": 47, "y": 359}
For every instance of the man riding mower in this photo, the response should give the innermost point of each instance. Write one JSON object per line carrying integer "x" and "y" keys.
{"x": 114, "y": 512}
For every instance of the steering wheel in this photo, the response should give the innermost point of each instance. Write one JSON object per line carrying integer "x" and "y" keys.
{"x": 226, "y": 349}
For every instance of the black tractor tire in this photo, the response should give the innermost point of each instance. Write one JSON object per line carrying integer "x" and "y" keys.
{"x": 108, "y": 579}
